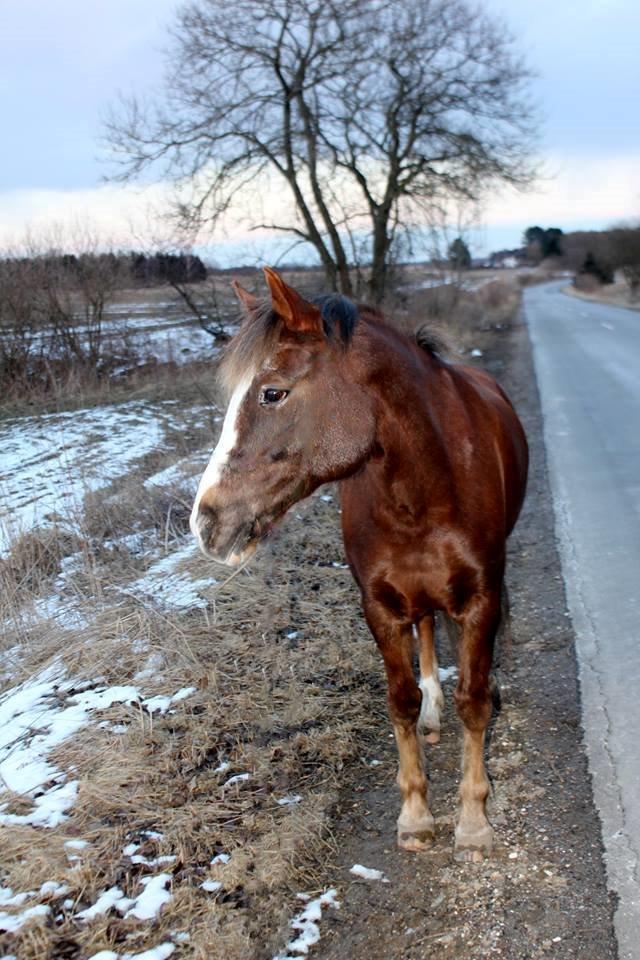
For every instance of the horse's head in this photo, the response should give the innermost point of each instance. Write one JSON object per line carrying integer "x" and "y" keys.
{"x": 296, "y": 418}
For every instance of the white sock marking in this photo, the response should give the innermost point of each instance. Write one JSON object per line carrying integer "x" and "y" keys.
{"x": 432, "y": 702}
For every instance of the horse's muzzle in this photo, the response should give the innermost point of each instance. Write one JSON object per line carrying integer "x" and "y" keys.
{"x": 226, "y": 542}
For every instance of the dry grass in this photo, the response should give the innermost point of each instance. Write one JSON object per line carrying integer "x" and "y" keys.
{"x": 291, "y": 711}
{"x": 459, "y": 314}
{"x": 613, "y": 294}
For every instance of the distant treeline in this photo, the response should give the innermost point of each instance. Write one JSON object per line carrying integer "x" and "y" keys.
{"x": 166, "y": 268}
{"x": 124, "y": 268}
{"x": 592, "y": 255}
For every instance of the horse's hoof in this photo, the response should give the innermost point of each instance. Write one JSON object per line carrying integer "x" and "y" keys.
{"x": 433, "y": 736}
{"x": 472, "y": 846}
{"x": 416, "y": 836}
{"x": 468, "y": 855}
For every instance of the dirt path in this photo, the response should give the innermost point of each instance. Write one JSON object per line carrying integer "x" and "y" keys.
{"x": 543, "y": 893}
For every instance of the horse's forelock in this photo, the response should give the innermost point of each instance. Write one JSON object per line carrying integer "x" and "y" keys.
{"x": 260, "y": 330}
{"x": 252, "y": 344}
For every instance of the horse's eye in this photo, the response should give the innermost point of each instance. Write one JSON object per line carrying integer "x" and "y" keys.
{"x": 272, "y": 395}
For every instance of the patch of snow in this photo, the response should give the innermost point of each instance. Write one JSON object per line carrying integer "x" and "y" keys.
{"x": 157, "y": 862}
{"x": 161, "y": 704}
{"x": 238, "y": 778}
{"x": 475, "y": 352}
{"x": 64, "y": 610}
{"x": 32, "y": 723}
{"x": 152, "y": 667}
{"x": 221, "y": 858}
{"x": 447, "y": 673}
{"x": 76, "y": 844}
{"x": 50, "y": 888}
{"x": 9, "y": 923}
{"x": 222, "y": 767}
{"x": 145, "y": 906}
{"x": 171, "y": 588}
{"x": 10, "y": 899}
{"x": 179, "y": 472}
{"x": 51, "y": 460}
{"x": 160, "y": 952}
{"x": 291, "y": 799}
{"x": 307, "y": 923}
{"x": 368, "y": 873}
{"x": 211, "y": 886}
{"x": 105, "y": 902}
{"x": 133, "y": 542}
{"x": 154, "y": 896}
{"x": 36, "y": 717}
{"x": 49, "y": 809}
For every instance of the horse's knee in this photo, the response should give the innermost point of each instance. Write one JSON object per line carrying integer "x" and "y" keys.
{"x": 405, "y": 701}
{"x": 474, "y": 706}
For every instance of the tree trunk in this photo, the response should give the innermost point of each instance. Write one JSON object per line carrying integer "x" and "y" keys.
{"x": 379, "y": 261}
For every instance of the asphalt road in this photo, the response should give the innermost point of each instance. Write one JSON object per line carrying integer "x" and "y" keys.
{"x": 587, "y": 361}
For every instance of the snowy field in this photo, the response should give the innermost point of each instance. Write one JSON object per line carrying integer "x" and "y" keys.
{"x": 49, "y": 462}
{"x": 148, "y": 336}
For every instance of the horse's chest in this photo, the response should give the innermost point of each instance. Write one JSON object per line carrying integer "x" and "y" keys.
{"x": 414, "y": 579}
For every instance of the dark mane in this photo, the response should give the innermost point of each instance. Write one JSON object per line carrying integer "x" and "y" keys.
{"x": 339, "y": 315}
{"x": 260, "y": 330}
{"x": 434, "y": 342}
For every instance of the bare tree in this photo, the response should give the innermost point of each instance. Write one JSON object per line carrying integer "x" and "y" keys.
{"x": 625, "y": 244}
{"x": 372, "y": 114}
{"x": 54, "y": 303}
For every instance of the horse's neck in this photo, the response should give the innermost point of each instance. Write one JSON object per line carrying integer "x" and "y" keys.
{"x": 409, "y": 436}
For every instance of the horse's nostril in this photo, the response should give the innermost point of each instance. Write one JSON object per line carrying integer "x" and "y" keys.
{"x": 207, "y": 521}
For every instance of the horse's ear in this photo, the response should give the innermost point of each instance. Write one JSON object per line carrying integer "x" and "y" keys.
{"x": 298, "y": 314}
{"x": 248, "y": 301}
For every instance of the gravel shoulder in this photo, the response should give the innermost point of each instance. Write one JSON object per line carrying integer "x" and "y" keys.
{"x": 543, "y": 893}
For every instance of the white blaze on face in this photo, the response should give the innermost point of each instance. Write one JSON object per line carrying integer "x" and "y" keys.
{"x": 220, "y": 456}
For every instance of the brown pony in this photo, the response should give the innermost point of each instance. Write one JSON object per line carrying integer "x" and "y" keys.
{"x": 432, "y": 464}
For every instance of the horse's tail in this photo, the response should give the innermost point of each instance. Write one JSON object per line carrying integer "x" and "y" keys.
{"x": 505, "y": 631}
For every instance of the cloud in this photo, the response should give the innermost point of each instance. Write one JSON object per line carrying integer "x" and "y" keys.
{"x": 576, "y": 187}
{"x": 119, "y": 215}
{"x": 577, "y": 192}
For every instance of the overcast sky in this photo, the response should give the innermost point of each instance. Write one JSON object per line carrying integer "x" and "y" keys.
{"x": 63, "y": 62}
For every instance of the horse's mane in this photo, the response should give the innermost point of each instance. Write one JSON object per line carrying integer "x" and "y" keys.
{"x": 434, "y": 342}
{"x": 260, "y": 331}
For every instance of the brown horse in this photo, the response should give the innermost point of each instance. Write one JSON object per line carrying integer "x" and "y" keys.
{"x": 432, "y": 464}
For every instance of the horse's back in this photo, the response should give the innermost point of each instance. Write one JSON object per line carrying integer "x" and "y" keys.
{"x": 497, "y": 433}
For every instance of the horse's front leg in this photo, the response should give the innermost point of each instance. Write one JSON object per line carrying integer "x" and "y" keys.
{"x": 473, "y": 833}
{"x": 395, "y": 640}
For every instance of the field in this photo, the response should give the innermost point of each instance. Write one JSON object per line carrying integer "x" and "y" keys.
{"x": 193, "y": 760}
